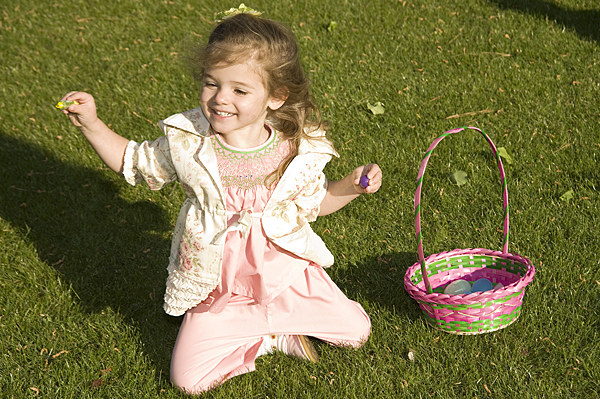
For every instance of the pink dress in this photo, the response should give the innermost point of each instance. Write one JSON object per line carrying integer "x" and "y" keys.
{"x": 253, "y": 267}
{"x": 264, "y": 289}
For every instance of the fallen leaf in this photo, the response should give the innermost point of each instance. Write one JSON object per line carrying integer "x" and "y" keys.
{"x": 503, "y": 152}
{"x": 332, "y": 25}
{"x": 96, "y": 383}
{"x": 377, "y": 108}
{"x": 458, "y": 177}
{"x": 567, "y": 196}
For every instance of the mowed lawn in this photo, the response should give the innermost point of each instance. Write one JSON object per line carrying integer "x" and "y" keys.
{"x": 83, "y": 255}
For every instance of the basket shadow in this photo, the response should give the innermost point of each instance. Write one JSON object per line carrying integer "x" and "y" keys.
{"x": 113, "y": 253}
{"x": 584, "y": 22}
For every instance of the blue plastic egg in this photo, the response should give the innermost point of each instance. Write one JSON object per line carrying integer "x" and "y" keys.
{"x": 483, "y": 284}
{"x": 458, "y": 287}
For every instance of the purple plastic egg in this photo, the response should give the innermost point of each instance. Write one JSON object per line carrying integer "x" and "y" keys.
{"x": 364, "y": 181}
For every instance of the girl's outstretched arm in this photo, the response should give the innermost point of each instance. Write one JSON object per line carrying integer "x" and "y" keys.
{"x": 341, "y": 192}
{"x": 108, "y": 144}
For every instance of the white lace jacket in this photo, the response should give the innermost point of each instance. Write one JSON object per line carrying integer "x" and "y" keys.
{"x": 185, "y": 154}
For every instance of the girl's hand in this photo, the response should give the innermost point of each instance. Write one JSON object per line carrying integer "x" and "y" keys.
{"x": 108, "y": 144}
{"x": 82, "y": 115}
{"x": 373, "y": 174}
{"x": 341, "y": 192}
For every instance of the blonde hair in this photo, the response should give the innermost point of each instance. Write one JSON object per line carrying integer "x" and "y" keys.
{"x": 273, "y": 47}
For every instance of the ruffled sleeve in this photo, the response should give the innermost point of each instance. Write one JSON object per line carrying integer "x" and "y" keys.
{"x": 149, "y": 161}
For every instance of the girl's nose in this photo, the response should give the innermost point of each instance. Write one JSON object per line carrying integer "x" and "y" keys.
{"x": 221, "y": 97}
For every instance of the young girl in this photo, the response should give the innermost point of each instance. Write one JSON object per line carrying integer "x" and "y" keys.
{"x": 245, "y": 267}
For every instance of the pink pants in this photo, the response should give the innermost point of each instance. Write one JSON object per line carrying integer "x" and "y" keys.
{"x": 212, "y": 348}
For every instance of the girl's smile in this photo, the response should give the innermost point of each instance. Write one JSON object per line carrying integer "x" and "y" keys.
{"x": 235, "y": 102}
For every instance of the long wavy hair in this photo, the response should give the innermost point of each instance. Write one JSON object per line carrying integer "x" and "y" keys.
{"x": 273, "y": 47}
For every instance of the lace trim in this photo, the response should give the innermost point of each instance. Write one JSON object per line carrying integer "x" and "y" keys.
{"x": 183, "y": 292}
{"x": 129, "y": 173}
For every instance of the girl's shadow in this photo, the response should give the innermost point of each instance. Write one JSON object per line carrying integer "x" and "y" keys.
{"x": 380, "y": 280}
{"x": 112, "y": 252}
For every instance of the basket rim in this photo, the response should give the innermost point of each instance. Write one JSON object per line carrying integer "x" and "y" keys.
{"x": 422, "y": 295}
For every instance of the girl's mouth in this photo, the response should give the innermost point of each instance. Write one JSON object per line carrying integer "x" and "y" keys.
{"x": 220, "y": 113}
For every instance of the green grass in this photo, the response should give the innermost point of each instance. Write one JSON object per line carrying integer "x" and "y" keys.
{"x": 83, "y": 259}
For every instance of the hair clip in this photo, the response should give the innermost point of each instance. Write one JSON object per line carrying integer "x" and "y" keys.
{"x": 242, "y": 9}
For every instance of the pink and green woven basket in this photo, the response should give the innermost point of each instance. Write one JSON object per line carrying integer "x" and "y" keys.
{"x": 478, "y": 312}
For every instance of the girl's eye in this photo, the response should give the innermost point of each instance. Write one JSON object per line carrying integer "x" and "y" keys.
{"x": 209, "y": 84}
{"x": 241, "y": 92}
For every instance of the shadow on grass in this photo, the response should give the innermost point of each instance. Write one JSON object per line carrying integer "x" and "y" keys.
{"x": 380, "y": 280}
{"x": 585, "y": 22}
{"x": 112, "y": 252}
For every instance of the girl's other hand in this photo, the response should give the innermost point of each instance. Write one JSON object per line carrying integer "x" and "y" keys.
{"x": 82, "y": 115}
{"x": 373, "y": 173}
{"x": 341, "y": 192}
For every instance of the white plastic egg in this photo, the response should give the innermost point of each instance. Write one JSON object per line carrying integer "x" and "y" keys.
{"x": 458, "y": 287}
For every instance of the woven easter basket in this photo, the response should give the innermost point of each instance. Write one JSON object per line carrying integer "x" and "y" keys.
{"x": 478, "y": 312}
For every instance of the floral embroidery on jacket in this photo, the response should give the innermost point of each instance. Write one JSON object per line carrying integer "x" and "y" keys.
{"x": 184, "y": 154}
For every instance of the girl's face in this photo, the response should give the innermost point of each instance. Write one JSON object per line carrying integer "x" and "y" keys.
{"x": 235, "y": 101}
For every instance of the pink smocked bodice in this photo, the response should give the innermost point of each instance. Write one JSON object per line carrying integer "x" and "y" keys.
{"x": 252, "y": 266}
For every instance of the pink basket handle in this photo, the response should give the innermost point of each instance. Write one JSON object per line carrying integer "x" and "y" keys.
{"x": 419, "y": 235}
